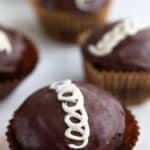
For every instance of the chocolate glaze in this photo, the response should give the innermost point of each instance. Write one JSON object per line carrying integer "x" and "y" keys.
{"x": 39, "y": 122}
{"x": 132, "y": 54}
{"x": 10, "y": 63}
{"x": 70, "y": 6}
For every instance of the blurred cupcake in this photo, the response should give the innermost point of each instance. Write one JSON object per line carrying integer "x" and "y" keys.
{"x": 18, "y": 57}
{"x": 72, "y": 115}
{"x": 117, "y": 57}
{"x": 65, "y": 19}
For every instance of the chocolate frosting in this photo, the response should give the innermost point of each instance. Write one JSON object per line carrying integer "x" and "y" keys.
{"x": 132, "y": 54}
{"x": 39, "y": 122}
{"x": 10, "y": 62}
{"x": 70, "y": 6}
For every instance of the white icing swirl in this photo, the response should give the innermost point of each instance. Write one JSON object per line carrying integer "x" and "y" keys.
{"x": 5, "y": 45}
{"x": 85, "y": 5}
{"x": 111, "y": 39}
{"x": 70, "y": 93}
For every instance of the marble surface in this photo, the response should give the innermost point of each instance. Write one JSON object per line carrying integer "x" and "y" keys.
{"x": 54, "y": 57}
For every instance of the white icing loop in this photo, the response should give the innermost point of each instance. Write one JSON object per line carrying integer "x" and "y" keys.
{"x": 85, "y": 5}
{"x": 111, "y": 39}
{"x": 5, "y": 45}
{"x": 70, "y": 93}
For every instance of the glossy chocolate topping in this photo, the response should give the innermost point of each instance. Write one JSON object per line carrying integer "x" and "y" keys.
{"x": 131, "y": 54}
{"x": 39, "y": 122}
{"x": 10, "y": 62}
{"x": 70, "y": 5}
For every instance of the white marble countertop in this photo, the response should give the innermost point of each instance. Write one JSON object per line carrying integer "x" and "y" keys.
{"x": 19, "y": 15}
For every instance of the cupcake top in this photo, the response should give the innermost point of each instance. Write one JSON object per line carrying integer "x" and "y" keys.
{"x": 68, "y": 115}
{"x": 77, "y": 6}
{"x": 120, "y": 46}
{"x": 13, "y": 48}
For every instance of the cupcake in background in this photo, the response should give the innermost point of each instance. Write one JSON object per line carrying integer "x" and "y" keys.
{"x": 65, "y": 19}
{"x": 117, "y": 58}
{"x": 18, "y": 57}
{"x": 72, "y": 115}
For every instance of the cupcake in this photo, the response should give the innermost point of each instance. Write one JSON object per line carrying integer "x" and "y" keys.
{"x": 117, "y": 57}
{"x": 65, "y": 19}
{"x": 18, "y": 57}
{"x": 72, "y": 115}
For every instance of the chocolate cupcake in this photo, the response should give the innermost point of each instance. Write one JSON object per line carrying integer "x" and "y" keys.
{"x": 116, "y": 57}
{"x": 65, "y": 19}
{"x": 18, "y": 57}
{"x": 72, "y": 115}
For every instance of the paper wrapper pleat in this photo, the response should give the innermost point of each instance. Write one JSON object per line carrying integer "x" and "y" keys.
{"x": 129, "y": 86}
{"x": 131, "y": 131}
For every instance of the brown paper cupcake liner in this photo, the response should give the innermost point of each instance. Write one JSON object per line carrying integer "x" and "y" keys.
{"x": 131, "y": 131}
{"x": 10, "y": 136}
{"x": 66, "y": 26}
{"x": 126, "y": 85}
{"x": 27, "y": 64}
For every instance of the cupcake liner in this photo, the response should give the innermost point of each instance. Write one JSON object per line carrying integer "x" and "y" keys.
{"x": 9, "y": 135}
{"x": 127, "y": 85}
{"x": 117, "y": 80}
{"x": 66, "y": 26}
{"x": 27, "y": 64}
{"x": 131, "y": 131}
